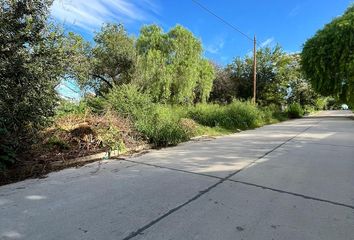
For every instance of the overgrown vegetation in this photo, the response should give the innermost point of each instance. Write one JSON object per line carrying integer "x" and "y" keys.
{"x": 164, "y": 124}
{"x": 328, "y": 59}
{"x": 156, "y": 87}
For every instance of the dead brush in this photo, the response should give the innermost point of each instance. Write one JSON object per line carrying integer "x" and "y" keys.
{"x": 91, "y": 132}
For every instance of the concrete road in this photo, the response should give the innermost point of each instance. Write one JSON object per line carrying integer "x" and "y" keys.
{"x": 293, "y": 180}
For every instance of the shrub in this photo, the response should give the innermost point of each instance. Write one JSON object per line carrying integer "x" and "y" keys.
{"x": 96, "y": 105}
{"x": 237, "y": 115}
{"x": 163, "y": 133}
{"x": 128, "y": 102}
{"x": 273, "y": 114}
{"x": 210, "y": 115}
{"x": 321, "y": 103}
{"x": 162, "y": 127}
{"x": 243, "y": 115}
{"x": 66, "y": 107}
{"x": 295, "y": 110}
{"x": 308, "y": 109}
{"x": 189, "y": 126}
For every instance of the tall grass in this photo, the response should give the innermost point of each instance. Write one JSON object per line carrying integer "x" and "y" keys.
{"x": 237, "y": 115}
{"x": 164, "y": 125}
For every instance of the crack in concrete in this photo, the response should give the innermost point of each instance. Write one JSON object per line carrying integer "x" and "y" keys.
{"x": 201, "y": 193}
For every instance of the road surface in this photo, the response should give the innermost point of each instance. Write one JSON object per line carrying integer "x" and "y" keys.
{"x": 292, "y": 180}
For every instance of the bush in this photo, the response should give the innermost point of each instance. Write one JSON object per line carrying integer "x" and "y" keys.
{"x": 128, "y": 102}
{"x": 309, "y": 109}
{"x": 189, "y": 126}
{"x": 66, "y": 107}
{"x": 321, "y": 103}
{"x": 295, "y": 110}
{"x": 96, "y": 105}
{"x": 273, "y": 114}
{"x": 158, "y": 123}
{"x": 243, "y": 115}
{"x": 162, "y": 127}
{"x": 237, "y": 115}
{"x": 210, "y": 115}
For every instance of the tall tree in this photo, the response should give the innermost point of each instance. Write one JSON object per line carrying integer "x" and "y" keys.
{"x": 272, "y": 77}
{"x": 154, "y": 71}
{"x": 223, "y": 89}
{"x": 112, "y": 60}
{"x": 32, "y": 62}
{"x": 185, "y": 51}
{"x": 328, "y": 58}
{"x": 172, "y": 65}
{"x": 205, "y": 81}
{"x": 299, "y": 88}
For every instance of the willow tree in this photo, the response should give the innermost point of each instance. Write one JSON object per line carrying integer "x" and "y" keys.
{"x": 153, "y": 72}
{"x": 171, "y": 66}
{"x": 328, "y": 58}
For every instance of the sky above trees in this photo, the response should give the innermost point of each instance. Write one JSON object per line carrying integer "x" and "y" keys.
{"x": 289, "y": 23}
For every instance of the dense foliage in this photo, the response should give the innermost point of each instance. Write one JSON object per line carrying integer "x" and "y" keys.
{"x": 279, "y": 80}
{"x": 32, "y": 63}
{"x": 328, "y": 58}
{"x": 156, "y": 87}
{"x": 172, "y": 67}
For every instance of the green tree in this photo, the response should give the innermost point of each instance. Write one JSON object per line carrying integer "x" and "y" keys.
{"x": 184, "y": 55}
{"x": 153, "y": 73}
{"x": 205, "y": 81}
{"x": 171, "y": 65}
{"x": 272, "y": 76}
{"x": 300, "y": 89}
{"x": 328, "y": 58}
{"x": 154, "y": 76}
{"x": 224, "y": 88}
{"x": 112, "y": 60}
{"x": 32, "y": 62}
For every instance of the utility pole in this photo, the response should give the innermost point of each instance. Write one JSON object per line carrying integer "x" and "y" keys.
{"x": 254, "y": 70}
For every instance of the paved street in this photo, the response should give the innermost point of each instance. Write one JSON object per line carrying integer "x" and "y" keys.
{"x": 292, "y": 180}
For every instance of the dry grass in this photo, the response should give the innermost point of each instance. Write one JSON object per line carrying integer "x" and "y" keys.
{"x": 76, "y": 135}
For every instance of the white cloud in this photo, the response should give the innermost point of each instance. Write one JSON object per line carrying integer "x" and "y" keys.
{"x": 91, "y": 14}
{"x": 215, "y": 47}
{"x": 267, "y": 42}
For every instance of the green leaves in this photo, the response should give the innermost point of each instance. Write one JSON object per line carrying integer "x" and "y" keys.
{"x": 171, "y": 67}
{"x": 328, "y": 58}
{"x": 274, "y": 71}
{"x": 32, "y": 62}
{"x": 113, "y": 57}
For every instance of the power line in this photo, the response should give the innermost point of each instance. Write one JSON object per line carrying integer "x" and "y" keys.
{"x": 223, "y": 20}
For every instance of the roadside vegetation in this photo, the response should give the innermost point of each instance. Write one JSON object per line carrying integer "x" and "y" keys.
{"x": 155, "y": 88}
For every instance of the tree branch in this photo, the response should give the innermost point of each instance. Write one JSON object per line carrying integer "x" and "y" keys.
{"x": 103, "y": 79}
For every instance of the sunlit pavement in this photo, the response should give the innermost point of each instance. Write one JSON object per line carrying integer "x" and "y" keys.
{"x": 293, "y": 180}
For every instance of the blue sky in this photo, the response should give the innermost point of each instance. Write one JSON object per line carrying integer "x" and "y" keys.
{"x": 288, "y": 23}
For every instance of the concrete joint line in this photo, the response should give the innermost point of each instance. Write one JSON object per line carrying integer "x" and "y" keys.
{"x": 168, "y": 168}
{"x": 293, "y": 194}
{"x": 324, "y": 144}
{"x": 201, "y": 193}
{"x": 245, "y": 183}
